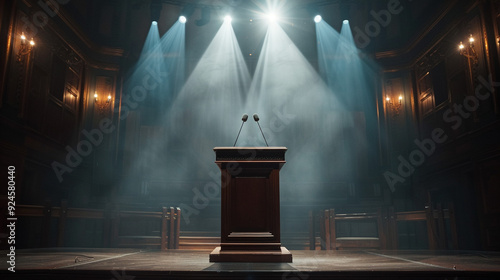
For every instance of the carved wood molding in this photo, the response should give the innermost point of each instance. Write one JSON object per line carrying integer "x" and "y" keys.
{"x": 429, "y": 61}
{"x": 67, "y": 55}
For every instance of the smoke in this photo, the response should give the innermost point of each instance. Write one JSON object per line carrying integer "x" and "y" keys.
{"x": 325, "y": 119}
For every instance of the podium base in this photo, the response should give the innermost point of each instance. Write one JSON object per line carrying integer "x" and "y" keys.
{"x": 278, "y": 256}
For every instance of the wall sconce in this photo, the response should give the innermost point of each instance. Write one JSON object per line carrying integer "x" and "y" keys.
{"x": 472, "y": 59}
{"x": 394, "y": 106}
{"x": 25, "y": 48}
{"x": 102, "y": 105}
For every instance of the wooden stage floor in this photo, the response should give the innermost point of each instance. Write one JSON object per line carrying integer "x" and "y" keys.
{"x": 135, "y": 264}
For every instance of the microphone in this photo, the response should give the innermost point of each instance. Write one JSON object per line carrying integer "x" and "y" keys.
{"x": 244, "y": 118}
{"x": 256, "y": 118}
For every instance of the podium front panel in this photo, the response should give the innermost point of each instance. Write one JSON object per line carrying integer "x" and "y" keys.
{"x": 250, "y": 207}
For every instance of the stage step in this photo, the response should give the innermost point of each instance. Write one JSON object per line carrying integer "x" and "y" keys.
{"x": 198, "y": 242}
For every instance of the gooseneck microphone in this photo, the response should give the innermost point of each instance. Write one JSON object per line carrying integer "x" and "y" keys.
{"x": 244, "y": 118}
{"x": 256, "y": 118}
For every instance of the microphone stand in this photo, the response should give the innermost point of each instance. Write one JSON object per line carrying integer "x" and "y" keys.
{"x": 238, "y": 134}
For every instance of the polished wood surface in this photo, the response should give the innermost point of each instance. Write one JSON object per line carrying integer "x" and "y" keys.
{"x": 71, "y": 263}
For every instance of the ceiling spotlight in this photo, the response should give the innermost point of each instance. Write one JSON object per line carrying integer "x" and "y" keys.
{"x": 182, "y": 19}
{"x": 228, "y": 19}
{"x": 155, "y": 22}
{"x": 317, "y": 18}
{"x": 346, "y": 21}
{"x": 272, "y": 17}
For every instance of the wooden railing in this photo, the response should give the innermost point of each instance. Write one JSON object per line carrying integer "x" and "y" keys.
{"x": 168, "y": 223}
{"x": 439, "y": 235}
{"x": 169, "y": 220}
{"x": 437, "y": 232}
{"x": 328, "y": 236}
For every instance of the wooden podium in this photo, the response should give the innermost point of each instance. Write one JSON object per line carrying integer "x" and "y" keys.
{"x": 250, "y": 204}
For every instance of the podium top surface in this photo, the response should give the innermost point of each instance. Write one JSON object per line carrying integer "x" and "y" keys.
{"x": 249, "y": 148}
{"x": 250, "y": 154}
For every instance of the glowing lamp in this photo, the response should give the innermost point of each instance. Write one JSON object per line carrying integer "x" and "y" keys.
{"x": 228, "y": 19}
{"x": 102, "y": 106}
{"x": 471, "y": 39}
{"x": 182, "y": 19}
{"x": 346, "y": 21}
{"x": 317, "y": 18}
{"x": 395, "y": 107}
{"x": 155, "y": 22}
{"x": 472, "y": 58}
{"x": 24, "y": 48}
